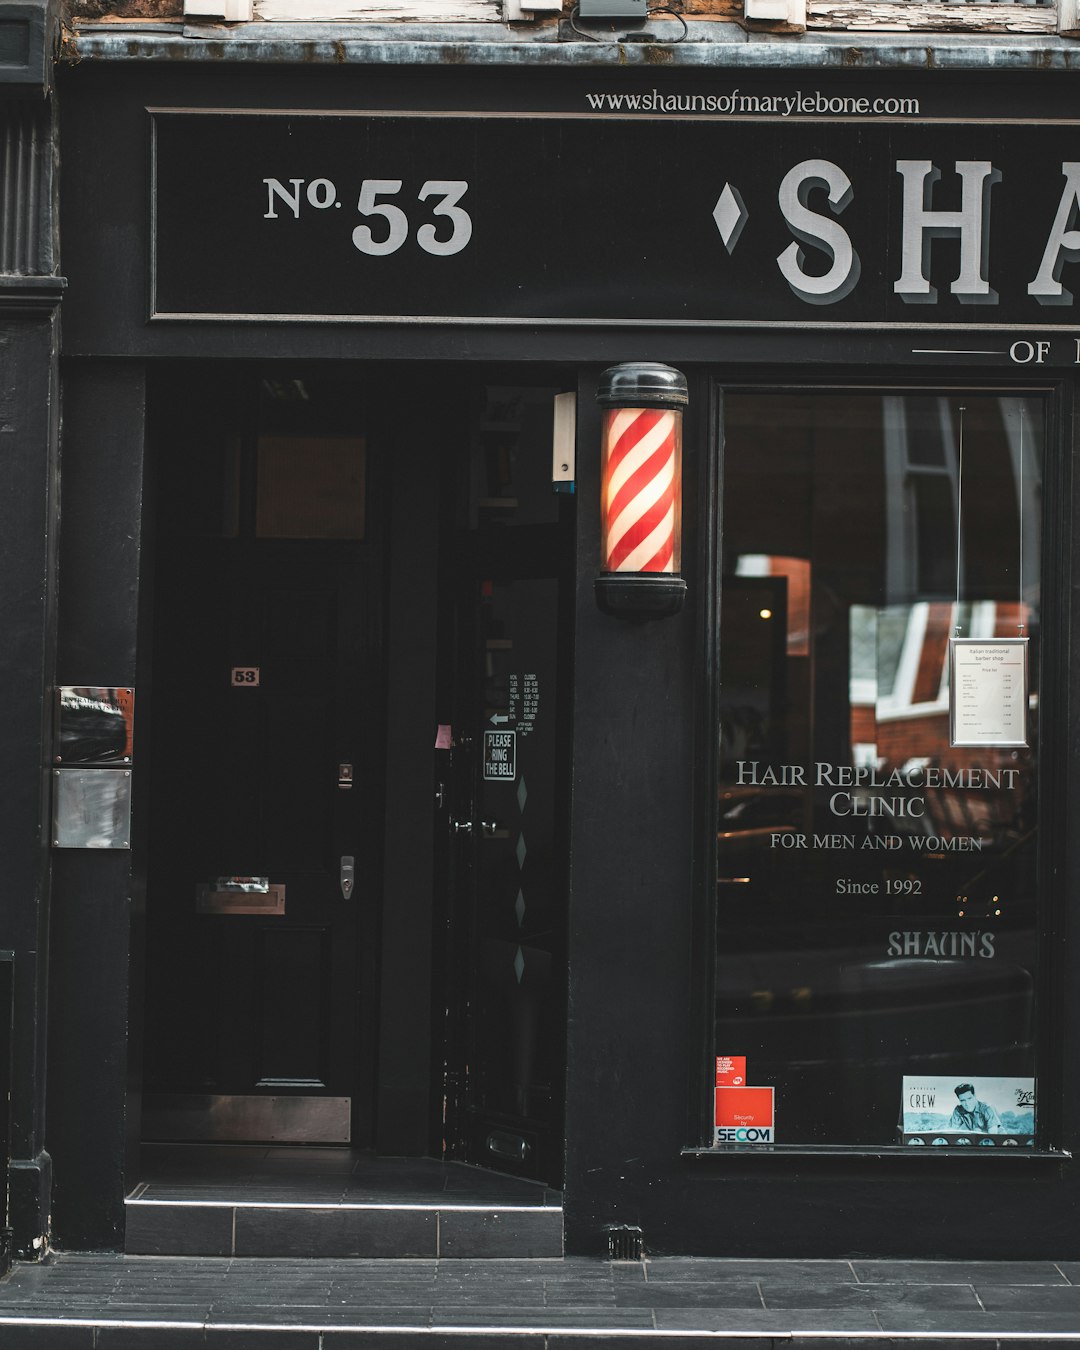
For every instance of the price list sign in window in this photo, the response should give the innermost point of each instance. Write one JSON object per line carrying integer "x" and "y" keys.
{"x": 989, "y": 695}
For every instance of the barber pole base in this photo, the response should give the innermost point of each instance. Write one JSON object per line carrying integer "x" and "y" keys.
{"x": 640, "y": 595}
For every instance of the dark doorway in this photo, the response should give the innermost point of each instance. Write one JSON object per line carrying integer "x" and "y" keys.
{"x": 265, "y": 802}
{"x": 503, "y": 769}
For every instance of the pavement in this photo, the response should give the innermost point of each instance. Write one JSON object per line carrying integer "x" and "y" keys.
{"x": 114, "y": 1302}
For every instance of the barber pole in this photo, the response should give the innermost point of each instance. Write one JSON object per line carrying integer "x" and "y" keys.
{"x": 641, "y": 490}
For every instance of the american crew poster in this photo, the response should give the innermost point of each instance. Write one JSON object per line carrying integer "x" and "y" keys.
{"x": 968, "y": 1111}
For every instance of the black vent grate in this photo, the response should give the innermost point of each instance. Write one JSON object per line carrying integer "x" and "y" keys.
{"x": 625, "y": 1242}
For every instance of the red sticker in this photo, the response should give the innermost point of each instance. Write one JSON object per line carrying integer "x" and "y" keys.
{"x": 730, "y": 1070}
{"x": 743, "y": 1107}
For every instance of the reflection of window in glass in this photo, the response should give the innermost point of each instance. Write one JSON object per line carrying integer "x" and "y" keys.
{"x": 796, "y": 572}
{"x": 921, "y": 465}
{"x": 876, "y": 887}
{"x": 510, "y": 457}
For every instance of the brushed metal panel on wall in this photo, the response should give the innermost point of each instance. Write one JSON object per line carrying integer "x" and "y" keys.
{"x": 247, "y": 1118}
{"x": 91, "y": 808}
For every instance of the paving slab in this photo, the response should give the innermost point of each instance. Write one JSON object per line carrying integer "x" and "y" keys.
{"x": 110, "y": 1302}
{"x": 960, "y": 1272}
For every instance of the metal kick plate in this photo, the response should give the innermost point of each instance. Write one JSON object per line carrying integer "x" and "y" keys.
{"x": 232, "y": 900}
{"x": 243, "y": 1119}
{"x": 91, "y": 808}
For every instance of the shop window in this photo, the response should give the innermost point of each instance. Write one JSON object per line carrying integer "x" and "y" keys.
{"x": 876, "y": 882}
{"x": 281, "y": 457}
{"x": 310, "y": 458}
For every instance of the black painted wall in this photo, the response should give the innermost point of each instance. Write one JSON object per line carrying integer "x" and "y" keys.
{"x": 94, "y": 890}
{"x": 631, "y": 901}
{"x": 413, "y": 459}
{"x": 27, "y": 616}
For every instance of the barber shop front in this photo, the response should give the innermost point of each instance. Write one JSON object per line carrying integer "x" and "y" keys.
{"x": 565, "y": 658}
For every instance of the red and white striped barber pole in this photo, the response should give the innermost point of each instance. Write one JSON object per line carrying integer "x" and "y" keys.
{"x": 641, "y": 490}
{"x": 642, "y": 486}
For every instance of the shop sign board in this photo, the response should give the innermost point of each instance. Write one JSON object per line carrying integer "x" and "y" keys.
{"x": 596, "y": 219}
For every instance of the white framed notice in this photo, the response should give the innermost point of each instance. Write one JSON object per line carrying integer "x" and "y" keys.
{"x": 988, "y": 691}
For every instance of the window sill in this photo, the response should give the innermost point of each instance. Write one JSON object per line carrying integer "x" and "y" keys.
{"x": 861, "y": 1152}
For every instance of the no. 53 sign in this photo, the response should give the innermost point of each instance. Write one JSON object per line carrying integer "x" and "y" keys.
{"x": 380, "y": 199}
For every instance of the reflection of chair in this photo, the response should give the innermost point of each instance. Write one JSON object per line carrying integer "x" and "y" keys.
{"x": 522, "y": 975}
{"x": 742, "y": 733}
{"x": 989, "y": 813}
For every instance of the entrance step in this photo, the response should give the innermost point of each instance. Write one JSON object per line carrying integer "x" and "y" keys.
{"x": 327, "y": 1202}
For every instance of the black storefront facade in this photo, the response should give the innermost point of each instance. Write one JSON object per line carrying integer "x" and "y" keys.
{"x": 364, "y": 824}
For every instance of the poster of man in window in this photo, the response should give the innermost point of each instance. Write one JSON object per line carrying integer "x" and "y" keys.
{"x": 976, "y": 1111}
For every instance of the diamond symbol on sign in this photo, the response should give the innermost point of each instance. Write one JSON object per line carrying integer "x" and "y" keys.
{"x": 519, "y": 909}
{"x": 731, "y": 215}
{"x": 519, "y": 965}
{"x": 522, "y": 794}
{"x": 520, "y": 850}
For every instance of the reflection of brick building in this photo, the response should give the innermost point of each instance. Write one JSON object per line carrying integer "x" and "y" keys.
{"x": 910, "y": 724}
{"x": 910, "y": 717}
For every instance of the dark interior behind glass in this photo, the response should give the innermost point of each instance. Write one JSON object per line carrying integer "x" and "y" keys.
{"x": 876, "y": 885}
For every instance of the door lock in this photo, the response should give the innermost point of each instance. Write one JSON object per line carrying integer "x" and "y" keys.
{"x": 347, "y": 875}
{"x": 344, "y": 776}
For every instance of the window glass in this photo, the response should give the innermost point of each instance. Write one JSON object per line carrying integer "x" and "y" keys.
{"x": 310, "y": 460}
{"x": 510, "y": 459}
{"x": 876, "y": 883}
{"x": 310, "y": 487}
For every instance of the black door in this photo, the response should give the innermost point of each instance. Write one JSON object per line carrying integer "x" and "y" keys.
{"x": 506, "y": 773}
{"x": 265, "y": 798}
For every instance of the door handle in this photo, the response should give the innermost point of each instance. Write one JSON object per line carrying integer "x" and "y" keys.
{"x": 347, "y": 875}
{"x": 487, "y": 827}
